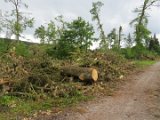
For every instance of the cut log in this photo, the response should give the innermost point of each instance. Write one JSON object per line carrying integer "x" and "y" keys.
{"x": 2, "y": 82}
{"x": 81, "y": 72}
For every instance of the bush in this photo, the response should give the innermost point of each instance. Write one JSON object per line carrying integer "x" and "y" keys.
{"x": 138, "y": 53}
{"x": 4, "y": 45}
{"x": 21, "y": 49}
{"x": 63, "y": 50}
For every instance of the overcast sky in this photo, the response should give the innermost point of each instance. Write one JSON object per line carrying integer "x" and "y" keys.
{"x": 113, "y": 14}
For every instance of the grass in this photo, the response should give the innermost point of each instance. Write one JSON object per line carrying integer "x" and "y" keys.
{"x": 12, "y": 108}
{"x": 144, "y": 63}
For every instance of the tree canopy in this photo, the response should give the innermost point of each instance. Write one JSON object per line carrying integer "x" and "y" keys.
{"x": 17, "y": 21}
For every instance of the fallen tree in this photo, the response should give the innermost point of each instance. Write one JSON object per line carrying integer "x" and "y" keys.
{"x": 81, "y": 72}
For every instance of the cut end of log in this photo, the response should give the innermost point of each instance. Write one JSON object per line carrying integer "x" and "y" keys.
{"x": 2, "y": 82}
{"x": 94, "y": 75}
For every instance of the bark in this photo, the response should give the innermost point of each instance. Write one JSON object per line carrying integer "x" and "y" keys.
{"x": 120, "y": 35}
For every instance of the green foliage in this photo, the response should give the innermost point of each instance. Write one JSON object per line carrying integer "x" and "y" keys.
{"x": 141, "y": 21}
{"x": 40, "y": 33}
{"x": 47, "y": 34}
{"x": 142, "y": 33}
{"x": 143, "y": 63}
{"x": 51, "y": 32}
{"x": 96, "y": 9}
{"x": 129, "y": 41}
{"x": 21, "y": 49}
{"x": 25, "y": 108}
{"x": 81, "y": 33}
{"x": 16, "y": 21}
{"x": 120, "y": 36}
{"x": 6, "y": 100}
{"x": 96, "y": 17}
{"x": 113, "y": 39}
{"x": 128, "y": 53}
{"x": 78, "y": 35}
{"x": 62, "y": 50}
{"x": 138, "y": 52}
{"x": 4, "y": 46}
{"x": 154, "y": 45}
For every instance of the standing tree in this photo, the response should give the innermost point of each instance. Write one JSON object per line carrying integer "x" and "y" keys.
{"x": 51, "y": 33}
{"x": 72, "y": 37}
{"x": 129, "y": 41}
{"x": 154, "y": 44}
{"x": 47, "y": 34}
{"x": 119, "y": 37}
{"x": 95, "y": 16}
{"x": 82, "y": 33}
{"x": 40, "y": 33}
{"x": 62, "y": 27}
{"x": 17, "y": 20}
{"x": 141, "y": 21}
{"x": 112, "y": 38}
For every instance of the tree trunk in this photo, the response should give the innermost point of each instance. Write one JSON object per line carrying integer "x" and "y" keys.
{"x": 81, "y": 72}
{"x": 120, "y": 35}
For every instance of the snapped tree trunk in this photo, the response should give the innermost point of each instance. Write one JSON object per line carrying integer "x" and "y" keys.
{"x": 81, "y": 72}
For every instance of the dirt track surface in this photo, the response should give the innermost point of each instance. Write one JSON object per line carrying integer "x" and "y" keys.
{"x": 138, "y": 99}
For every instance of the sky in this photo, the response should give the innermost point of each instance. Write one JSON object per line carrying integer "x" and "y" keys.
{"x": 113, "y": 14}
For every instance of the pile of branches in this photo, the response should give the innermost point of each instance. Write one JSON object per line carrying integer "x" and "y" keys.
{"x": 28, "y": 77}
{"x": 111, "y": 65}
{"x": 40, "y": 77}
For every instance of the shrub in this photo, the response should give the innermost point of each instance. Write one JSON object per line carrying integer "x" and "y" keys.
{"x": 4, "y": 46}
{"x": 138, "y": 53}
{"x": 21, "y": 49}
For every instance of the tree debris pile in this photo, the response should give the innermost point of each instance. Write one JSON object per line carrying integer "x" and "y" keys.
{"x": 40, "y": 77}
{"x": 110, "y": 65}
{"x": 27, "y": 77}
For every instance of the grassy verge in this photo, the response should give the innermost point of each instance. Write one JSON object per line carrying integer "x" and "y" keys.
{"x": 12, "y": 108}
{"x": 143, "y": 63}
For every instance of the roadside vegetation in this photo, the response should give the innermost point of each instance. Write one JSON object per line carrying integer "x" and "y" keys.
{"x": 31, "y": 76}
{"x": 144, "y": 63}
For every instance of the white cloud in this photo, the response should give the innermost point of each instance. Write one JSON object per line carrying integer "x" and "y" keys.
{"x": 69, "y": 16}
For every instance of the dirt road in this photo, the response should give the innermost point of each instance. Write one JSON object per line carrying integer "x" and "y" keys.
{"x": 139, "y": 99}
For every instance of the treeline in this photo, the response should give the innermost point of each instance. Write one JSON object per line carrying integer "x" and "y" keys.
{"x": 67, "y": 38}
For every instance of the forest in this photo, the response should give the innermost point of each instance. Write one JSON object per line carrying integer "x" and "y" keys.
{"x": 62, "y": 70}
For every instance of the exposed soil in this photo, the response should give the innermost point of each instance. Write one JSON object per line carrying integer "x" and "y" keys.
{"x": 138, "y": 99}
